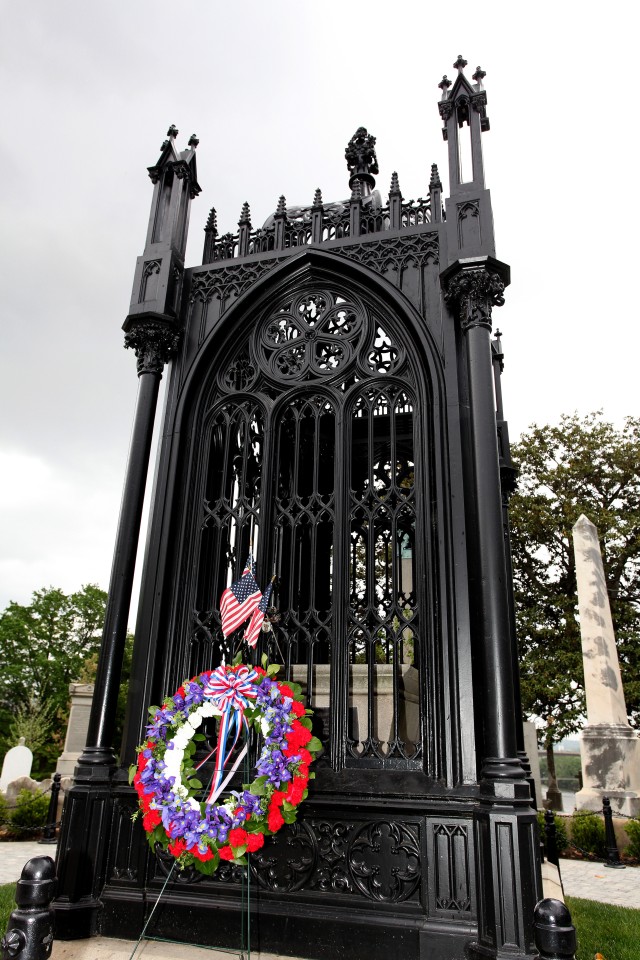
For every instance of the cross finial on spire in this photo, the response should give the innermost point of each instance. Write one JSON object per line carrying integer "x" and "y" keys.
{"x": 193, "y": 141}
{"x": 444, "y": 85}
{"x": 460, "y": 63}
{"x": 173, "y": 131}
{"x": 479, "y": 76}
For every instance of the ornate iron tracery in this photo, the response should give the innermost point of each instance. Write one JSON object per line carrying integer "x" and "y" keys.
{"x": 310, "y": 416}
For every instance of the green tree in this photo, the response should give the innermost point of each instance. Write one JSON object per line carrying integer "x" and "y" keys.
{"x": 582, "y": 465}
{"x": 43, "y": 646}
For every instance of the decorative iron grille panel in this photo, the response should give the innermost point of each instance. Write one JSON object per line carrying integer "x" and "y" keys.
{"x": 307, "y": 447}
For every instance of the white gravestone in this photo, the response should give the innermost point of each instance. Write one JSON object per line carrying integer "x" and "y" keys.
{"x": 610, "y": 747}
{"x": 17, "y": 763}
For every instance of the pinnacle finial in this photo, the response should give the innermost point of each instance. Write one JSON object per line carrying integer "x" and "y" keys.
{"x": 317, "y": 198}
{"x": 173, "y": 131}
{"x": 281, "y": 209}
{"x": 212, "y": 221}
{"x": 245, "y": 213}
{"x": 193, "y": 141}
{"x": 460, "y": 63}
{"x": 361, "y": 158}
{"x": 395, "y": 185}
{"x": 435, "y": 181}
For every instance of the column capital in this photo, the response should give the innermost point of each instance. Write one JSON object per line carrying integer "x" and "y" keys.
{"x": 154, "y": 342}
{"x": 473, "y": 287}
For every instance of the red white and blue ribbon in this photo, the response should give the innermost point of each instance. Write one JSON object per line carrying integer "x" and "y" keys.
{"x": 230, "y": 691}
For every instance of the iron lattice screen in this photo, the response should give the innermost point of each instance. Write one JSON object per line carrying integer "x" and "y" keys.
{"x": 308, "y": 440}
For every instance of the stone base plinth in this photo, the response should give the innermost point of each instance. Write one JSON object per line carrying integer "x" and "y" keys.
{"x": 610, "y": 768}
{"x": 408, "y": 699}
{"x": 81, "y": 697}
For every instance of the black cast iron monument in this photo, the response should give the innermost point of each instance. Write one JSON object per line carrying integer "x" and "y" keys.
{"x": 331, "y": 397}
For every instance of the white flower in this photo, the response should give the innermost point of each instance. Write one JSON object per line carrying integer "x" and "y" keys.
{"x": 195, "y": 720}
{"x": 265, "y": 725}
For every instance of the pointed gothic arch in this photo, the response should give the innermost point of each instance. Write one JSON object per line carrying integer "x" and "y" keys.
{"x": 301, "y": 397}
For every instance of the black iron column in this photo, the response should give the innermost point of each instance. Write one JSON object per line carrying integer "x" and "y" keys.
{"x": 154, "y": 343}
{"x": 508, "y": 858}
{"x": 473, "y": 288}
{"x": 86, "y": 824}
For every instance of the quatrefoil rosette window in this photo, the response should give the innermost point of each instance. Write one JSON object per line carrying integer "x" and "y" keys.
{"x": 320, "y": 334}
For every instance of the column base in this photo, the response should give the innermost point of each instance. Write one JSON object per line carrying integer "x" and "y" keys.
{"x": 509, "y": 882}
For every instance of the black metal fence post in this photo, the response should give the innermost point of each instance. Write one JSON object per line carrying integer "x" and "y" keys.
{"x": 613, "y": 855}
{"x": 29, "y": 934}
{"x": 550, "y": 841}
{"x": 554, "y": 933}
{"x": 49, "y": 835}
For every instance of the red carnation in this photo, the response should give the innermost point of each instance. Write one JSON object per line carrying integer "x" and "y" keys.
{"x": 238, "y": 837}
{"x": 254, "y": 841}
{"x": 298, "y": 708}
{"x": 226, "y": 853}
{"x": 277, "y": 798}
{"x": 299, "y": 735}
{"x": 176, "y": 847}
{"x": 260, "y": 671}
{"x": 286, "y": 691}
{"x": 180, "y": 691}
{"x": 151, "y": 819}
{"x": 296, "y": 789}
{"x": 274, "y": 819}
{"x": 207, "y": 855}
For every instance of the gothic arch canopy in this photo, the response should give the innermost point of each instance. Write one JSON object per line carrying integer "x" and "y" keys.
{"x": 317, "y": 397}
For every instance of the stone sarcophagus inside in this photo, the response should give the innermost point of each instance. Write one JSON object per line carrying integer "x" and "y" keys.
{"x": 331, "y": 402}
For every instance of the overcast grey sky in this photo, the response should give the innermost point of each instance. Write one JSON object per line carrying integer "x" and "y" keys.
{"x": 274, "y": 90}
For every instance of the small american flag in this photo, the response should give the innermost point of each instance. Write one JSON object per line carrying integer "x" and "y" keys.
{"x": 240, "y": 599}
{"x": 253, "y": 629}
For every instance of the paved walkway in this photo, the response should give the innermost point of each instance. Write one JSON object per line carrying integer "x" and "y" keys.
{"x": 591, "y": 881}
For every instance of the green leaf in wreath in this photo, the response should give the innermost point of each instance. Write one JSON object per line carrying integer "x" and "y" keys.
{"x": 264, "y": 661}
{"x": 306, "y": 722}
{"x": 153, "y": 711}
{"x": 289, "y": 816}
{"x": 272, "y": 669}
{"x": 199, "y": 737}
{"x": 132, "y": 772}
{"x": 314, "y": 745}
{"x": 237, "y": 659}
{"x": 195, "y": 784}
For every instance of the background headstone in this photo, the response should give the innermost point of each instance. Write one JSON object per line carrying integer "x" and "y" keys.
{"x": 77, "y": 727}
{"x": 610, "y": 746}
{"x": 17, "y": 763}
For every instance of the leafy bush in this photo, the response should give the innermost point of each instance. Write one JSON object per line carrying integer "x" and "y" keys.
{"x": 30, "y": 813}
{"x": 587, "y": 832}
{"x": 4, "y": 810}
{"x": 562, "y": 841}
{"x": 633, "y": 830}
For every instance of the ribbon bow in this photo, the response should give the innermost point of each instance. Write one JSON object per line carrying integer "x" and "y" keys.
{"x": 230, "y": 691}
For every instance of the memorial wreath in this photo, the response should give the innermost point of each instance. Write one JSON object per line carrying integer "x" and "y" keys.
{"x": 200, "y": 833}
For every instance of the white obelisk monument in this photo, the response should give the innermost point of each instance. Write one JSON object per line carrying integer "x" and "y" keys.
{"x": 610, "y": 746}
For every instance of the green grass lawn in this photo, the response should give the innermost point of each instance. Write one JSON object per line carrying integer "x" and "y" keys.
{"x": 7, "y": 904}
{"x": 612, "y": 931}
